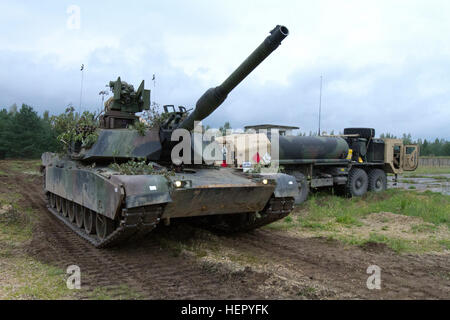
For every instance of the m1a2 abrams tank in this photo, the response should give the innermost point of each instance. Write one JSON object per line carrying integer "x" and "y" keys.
{"x": 90, "y": 193}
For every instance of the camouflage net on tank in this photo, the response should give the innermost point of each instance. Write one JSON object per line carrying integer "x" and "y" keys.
{"x": 76, "y": 128}
{"x": 137, "y": 167}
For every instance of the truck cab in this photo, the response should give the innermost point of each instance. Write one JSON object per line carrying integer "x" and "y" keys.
{"x": 399, "y": 157}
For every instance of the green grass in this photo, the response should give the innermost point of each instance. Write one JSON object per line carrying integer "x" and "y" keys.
{"x": 308, "y": 292}
{"x": 23, "y": 165}
{"x": 328, "y": 215}
{"x": 408, "y": 181}
{"x": 431, "y": 207}
{"x": 30, "y": 279}
{"x": 26, "y": 278}
{"x": 22, "y": 276}
{"x": 396, "y": 244}
{"x": 429, "y": 170}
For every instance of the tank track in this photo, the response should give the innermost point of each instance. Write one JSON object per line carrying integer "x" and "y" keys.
{"x": 134, "y": 223}
{"x": 276, "y": 209}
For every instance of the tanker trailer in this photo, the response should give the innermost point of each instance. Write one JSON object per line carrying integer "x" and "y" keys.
{"x": 352, "y": 163}
{"x": 117, "y": 183}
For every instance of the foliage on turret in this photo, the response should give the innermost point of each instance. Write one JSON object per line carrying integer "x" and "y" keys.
{"x": 77, "y": 130}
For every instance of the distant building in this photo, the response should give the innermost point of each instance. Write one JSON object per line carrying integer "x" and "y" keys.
{"x": 282, "y": 130}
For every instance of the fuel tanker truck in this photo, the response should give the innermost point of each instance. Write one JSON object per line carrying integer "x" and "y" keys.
{"x": 352, "y": 163}
{"x": 117, "y": 183}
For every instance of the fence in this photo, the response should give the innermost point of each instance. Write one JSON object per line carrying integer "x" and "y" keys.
{"x": 434, "y": 162}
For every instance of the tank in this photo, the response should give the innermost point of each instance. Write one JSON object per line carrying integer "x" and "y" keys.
{"x": 94, "y": 191}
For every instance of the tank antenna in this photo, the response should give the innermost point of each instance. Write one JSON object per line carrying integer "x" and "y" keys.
{"x": 320, "y": 102}
{"x": 154, "y": 86}
{"x": 81, "y": 89}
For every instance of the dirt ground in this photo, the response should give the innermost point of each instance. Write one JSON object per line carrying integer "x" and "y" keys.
{"x": 186, "y": 262}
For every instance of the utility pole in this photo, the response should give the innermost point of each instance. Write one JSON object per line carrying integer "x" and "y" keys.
{"x": 320, "y": 102}
{"x": 81, "y": 90}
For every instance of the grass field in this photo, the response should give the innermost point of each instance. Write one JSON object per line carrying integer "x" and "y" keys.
{"x": 429, "y": 170}
{"x": 406, "y": 221}
{"x": 21, "y": 276}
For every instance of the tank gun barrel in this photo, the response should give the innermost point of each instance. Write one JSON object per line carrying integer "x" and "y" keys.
{"x": 214, "y": 97}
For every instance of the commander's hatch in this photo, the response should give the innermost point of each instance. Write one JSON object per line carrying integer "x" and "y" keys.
{"x": 410, "y": 157}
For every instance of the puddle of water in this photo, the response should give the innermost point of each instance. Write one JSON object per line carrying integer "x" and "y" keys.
{"x": 422, "y": 184}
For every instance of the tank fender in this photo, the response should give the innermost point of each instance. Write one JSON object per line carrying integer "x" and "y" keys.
{"x": 286, "y": 185}
{"x": 144, "y": 190}
{"x": 48, "y": 157}
{"x": 83, "y": 187}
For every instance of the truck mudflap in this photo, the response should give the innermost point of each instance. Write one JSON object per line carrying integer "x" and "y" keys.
{"x": 286, "y": 185}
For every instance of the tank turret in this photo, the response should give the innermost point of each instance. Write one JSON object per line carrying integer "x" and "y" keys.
{"x": 120, "y": 109}
{"x": 156, "y": 144}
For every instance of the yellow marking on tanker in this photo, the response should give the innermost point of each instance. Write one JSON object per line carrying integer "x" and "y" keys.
{"x": 350, "y": 154}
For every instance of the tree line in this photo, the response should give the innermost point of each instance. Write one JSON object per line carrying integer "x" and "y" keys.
{"x": 436, "y": 148}
{"x": 26, "y": 134}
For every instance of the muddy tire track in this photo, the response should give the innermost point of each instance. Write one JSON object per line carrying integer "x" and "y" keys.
{"x": 343, "y": 268}
{"x": 142, "y": 267}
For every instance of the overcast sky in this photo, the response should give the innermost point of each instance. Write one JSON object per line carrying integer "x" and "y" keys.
{"x": 385, "y": 64}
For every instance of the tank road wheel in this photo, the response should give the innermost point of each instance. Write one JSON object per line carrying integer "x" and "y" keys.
{"x": 89, "y": 220}
{"x": 52, "y": 200}
{"x": 58, "y": 203}
{"x": 79, "y": 215}
{"x": 357, "y": 182}
{"x": 104, "y": 226}
{"x": 70, "y": 211}
{"x": 303, "y": 188}
{"x": 377, "y": 180}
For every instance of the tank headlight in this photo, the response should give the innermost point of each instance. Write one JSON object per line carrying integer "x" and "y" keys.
{"x": 182, "y": 184}
{"x": 265, "y": 181}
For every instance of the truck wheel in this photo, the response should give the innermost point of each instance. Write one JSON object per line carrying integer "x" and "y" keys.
{"x": 377, "y": 180}
{"x": 303, "y": 188}
{"x": 357, "y": 182}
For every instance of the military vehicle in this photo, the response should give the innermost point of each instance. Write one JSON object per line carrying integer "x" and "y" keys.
{"x": 352, "y": 163}
{"x": 88, "y": 191}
